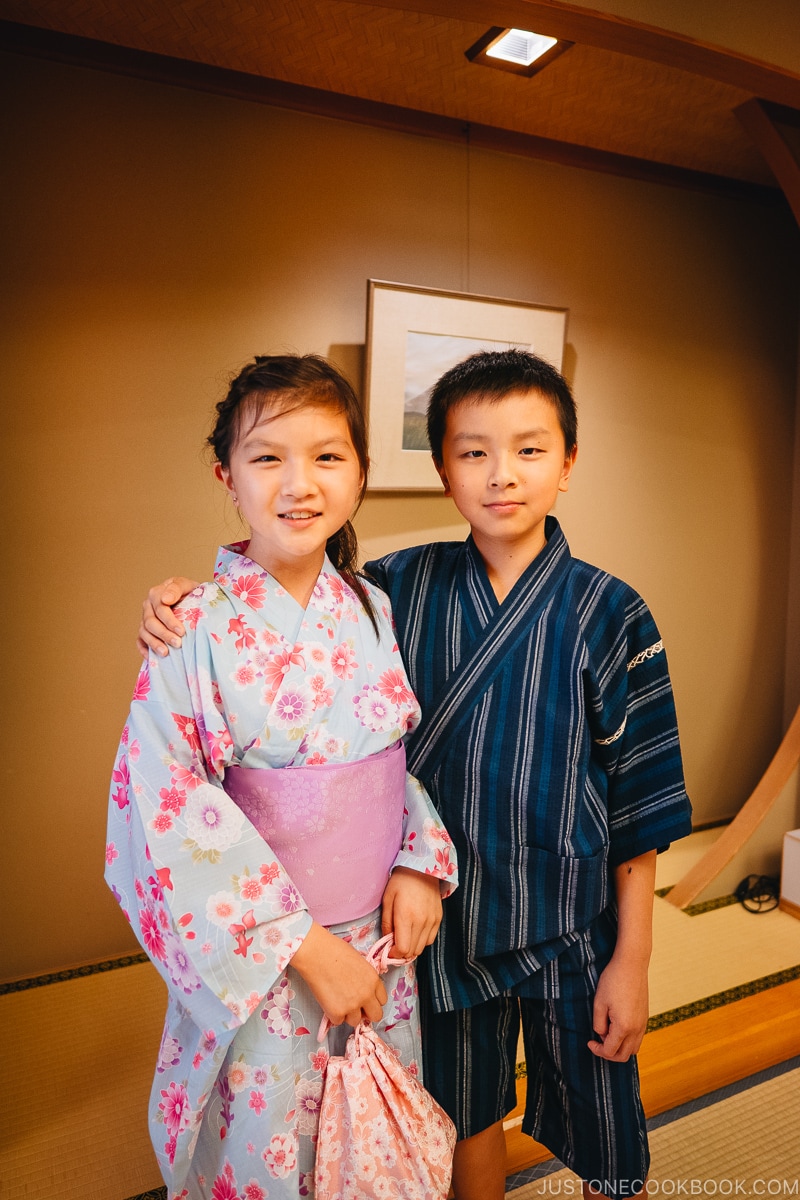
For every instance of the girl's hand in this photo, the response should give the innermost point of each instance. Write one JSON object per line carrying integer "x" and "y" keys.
{"x": 160, "y": 628}
{"x": 411, "y": 910}
{"x": 345, "y": 986}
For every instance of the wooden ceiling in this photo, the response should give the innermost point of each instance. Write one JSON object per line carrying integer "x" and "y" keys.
{"x": 622, "y": 98}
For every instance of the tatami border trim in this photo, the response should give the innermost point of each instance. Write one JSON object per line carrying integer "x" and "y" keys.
{"x": 98, "y": 968}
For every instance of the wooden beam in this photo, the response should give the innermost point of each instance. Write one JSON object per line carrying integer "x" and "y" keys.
{"x": 621, "y": 35}
{"x": 259, "y": 89}
{"x": 775, "y": 150}
{"x": 744, "y": 824}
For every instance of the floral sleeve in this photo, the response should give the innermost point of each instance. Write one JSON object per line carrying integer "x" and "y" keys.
{"x": 426, "y": 843}
{"x": 205, "y": 896}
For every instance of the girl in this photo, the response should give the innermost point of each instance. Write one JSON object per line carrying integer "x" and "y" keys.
{"x": 263, "y": 832}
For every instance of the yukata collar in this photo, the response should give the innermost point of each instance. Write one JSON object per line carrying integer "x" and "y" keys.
{"x": 476, "y": 576}
{"x": 233, "y": 558}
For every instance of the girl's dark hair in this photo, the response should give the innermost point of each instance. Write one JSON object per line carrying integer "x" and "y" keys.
{"x": 491, "y": 375}
{"x": 290, "y": 381}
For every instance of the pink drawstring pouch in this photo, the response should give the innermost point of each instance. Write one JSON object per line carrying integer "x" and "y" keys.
{"x": 378, "y": 1123}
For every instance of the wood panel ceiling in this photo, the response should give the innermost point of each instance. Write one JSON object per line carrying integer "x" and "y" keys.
{"x": 592, "y": 97}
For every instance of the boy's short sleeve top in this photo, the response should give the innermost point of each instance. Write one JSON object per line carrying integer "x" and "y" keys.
{"x": 548, "y": 743}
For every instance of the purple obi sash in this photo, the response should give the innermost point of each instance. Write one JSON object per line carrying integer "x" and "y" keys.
{"x": 336, "y": 828}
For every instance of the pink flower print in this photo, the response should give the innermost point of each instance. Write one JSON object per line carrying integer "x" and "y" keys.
{"x": 238, "y": 1076}
{"x": 188, "y": 728}
{"x": 141, "y": 688}
{"x": 316, "y": 759}
{"x": 279, "y": 666}
{"x": 257, "y": 1102}
{"x": 251, "y": 591}
{"x": 244, "y": 676}
{"x": 308, "y": 1099}
{"x": 170, "y": 1147}
{"x": 289, "y": 898}
{"x": 172, "y": 800}
{"x": 223, "y": 909}
{"x": 306, "y": 1182}
{"x": 269, "y": 872}
{"x": 394, "y": 686}
{"x": 183, "y": 779}
{"x": 253, "y": 1190}
{"x": 209, "y": 1042}
{"x": 280, "y": 1156}
{"x": 252, "y": 1001}
{"x": 134, "y": 750}
{"x": 151, "y": 933}
{"x": 321, "y": 693}
{"x": 293, "y": 708}
{"x": 224, "y": 1186}
{"x": 250, "y": 888}
{"x": 181, "y": 968}
{"x": 175, "y": 1107}
{"x": 111, "y": 853}
{"x": 343, "y": 661}
{"x": 277, "y": 1009}
{"x": 161, "y": 823}
{"x": 190, "y": 616}
{"x": 374, "y": 711}
{"x": 319, "y": 1060}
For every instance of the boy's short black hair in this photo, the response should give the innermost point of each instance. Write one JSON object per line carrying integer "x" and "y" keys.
{"x": 491, "y": 375}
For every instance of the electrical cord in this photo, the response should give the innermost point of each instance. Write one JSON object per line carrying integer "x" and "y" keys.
{"x": 758, "y": 893}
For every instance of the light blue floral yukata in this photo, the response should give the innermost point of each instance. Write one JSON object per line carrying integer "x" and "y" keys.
{"x": 259, "y": 682}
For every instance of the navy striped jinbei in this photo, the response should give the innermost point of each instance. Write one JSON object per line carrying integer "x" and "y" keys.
{"x": 548, "y": 743}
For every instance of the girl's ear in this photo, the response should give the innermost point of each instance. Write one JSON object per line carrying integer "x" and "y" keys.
{"x": 443, "y": 476}
{"x": 223, "y": 474}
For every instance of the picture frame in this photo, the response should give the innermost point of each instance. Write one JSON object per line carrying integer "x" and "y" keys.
{"x": 414, "y": 334}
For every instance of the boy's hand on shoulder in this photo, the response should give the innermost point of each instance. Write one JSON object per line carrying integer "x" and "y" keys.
{"x": 620, "y": 1010}
{"x": 411, "y": 910}
{"x": 160, "y": 628}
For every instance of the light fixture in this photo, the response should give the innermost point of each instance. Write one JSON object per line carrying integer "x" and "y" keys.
{"x": 515, "y": 50}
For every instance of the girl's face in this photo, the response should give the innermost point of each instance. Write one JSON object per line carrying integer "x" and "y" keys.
{"x": 296, "y": 478}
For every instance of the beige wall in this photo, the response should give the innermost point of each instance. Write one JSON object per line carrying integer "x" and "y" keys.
{"x": 159, "y": 237}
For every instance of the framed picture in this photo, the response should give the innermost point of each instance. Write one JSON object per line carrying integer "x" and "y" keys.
{"x": 414, "y": 335}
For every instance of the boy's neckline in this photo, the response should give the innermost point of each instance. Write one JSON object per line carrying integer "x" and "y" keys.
{"x": 502, "y": 583}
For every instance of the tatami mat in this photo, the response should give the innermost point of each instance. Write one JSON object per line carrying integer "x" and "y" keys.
{"x": 77, "y": 1062}
{"x": 746, "y": 1145}
{"x": 78, "y": 1058}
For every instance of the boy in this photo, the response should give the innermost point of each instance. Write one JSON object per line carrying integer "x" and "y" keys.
{"x": 549, "y": 745}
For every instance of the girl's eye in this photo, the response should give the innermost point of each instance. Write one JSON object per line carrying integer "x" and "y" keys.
{"x": 266, "y": 458}
{"x": 330, "y": 457}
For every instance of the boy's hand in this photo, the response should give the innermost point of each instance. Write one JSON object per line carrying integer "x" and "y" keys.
{"x": 160, "y": 628}
{"x": 411, "y": 910}
{"x": 345, "y": 986}
{"x": 620, "y": 1011}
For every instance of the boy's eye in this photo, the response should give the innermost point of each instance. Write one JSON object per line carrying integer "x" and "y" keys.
{"x": 474, "y": 454}
{"x": 531, "y": 450}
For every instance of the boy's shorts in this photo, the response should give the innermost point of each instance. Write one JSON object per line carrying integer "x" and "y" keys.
{"x": 587, "y": 1111}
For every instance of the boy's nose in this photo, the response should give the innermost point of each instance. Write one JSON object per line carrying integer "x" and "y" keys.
{"x": 502, "y": 474}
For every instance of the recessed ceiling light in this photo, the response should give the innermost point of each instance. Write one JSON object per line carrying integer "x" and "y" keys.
{"x": 515, "y": 50}
{"x": 520, "y": 47}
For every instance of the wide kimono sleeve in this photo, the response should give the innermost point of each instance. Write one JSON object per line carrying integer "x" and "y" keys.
{"x": 426, "y": 846}
{"x": 634, "y": 729}
{"x": 209, "y": 902}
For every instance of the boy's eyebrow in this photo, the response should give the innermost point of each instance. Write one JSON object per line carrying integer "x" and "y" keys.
{"x": 526, "y": 435}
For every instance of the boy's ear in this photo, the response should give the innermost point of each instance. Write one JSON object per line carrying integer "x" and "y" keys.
{"x": 569, "y": 463}
{"x": 442, "y": 475}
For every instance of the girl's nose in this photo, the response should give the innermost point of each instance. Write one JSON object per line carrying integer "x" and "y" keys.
{"x": 298, "y": 480}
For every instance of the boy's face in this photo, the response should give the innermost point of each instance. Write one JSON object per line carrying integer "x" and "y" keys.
{"x": 504, "y": 464}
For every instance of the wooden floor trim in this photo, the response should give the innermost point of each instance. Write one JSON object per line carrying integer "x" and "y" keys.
{"x": 693, "y": 1057}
